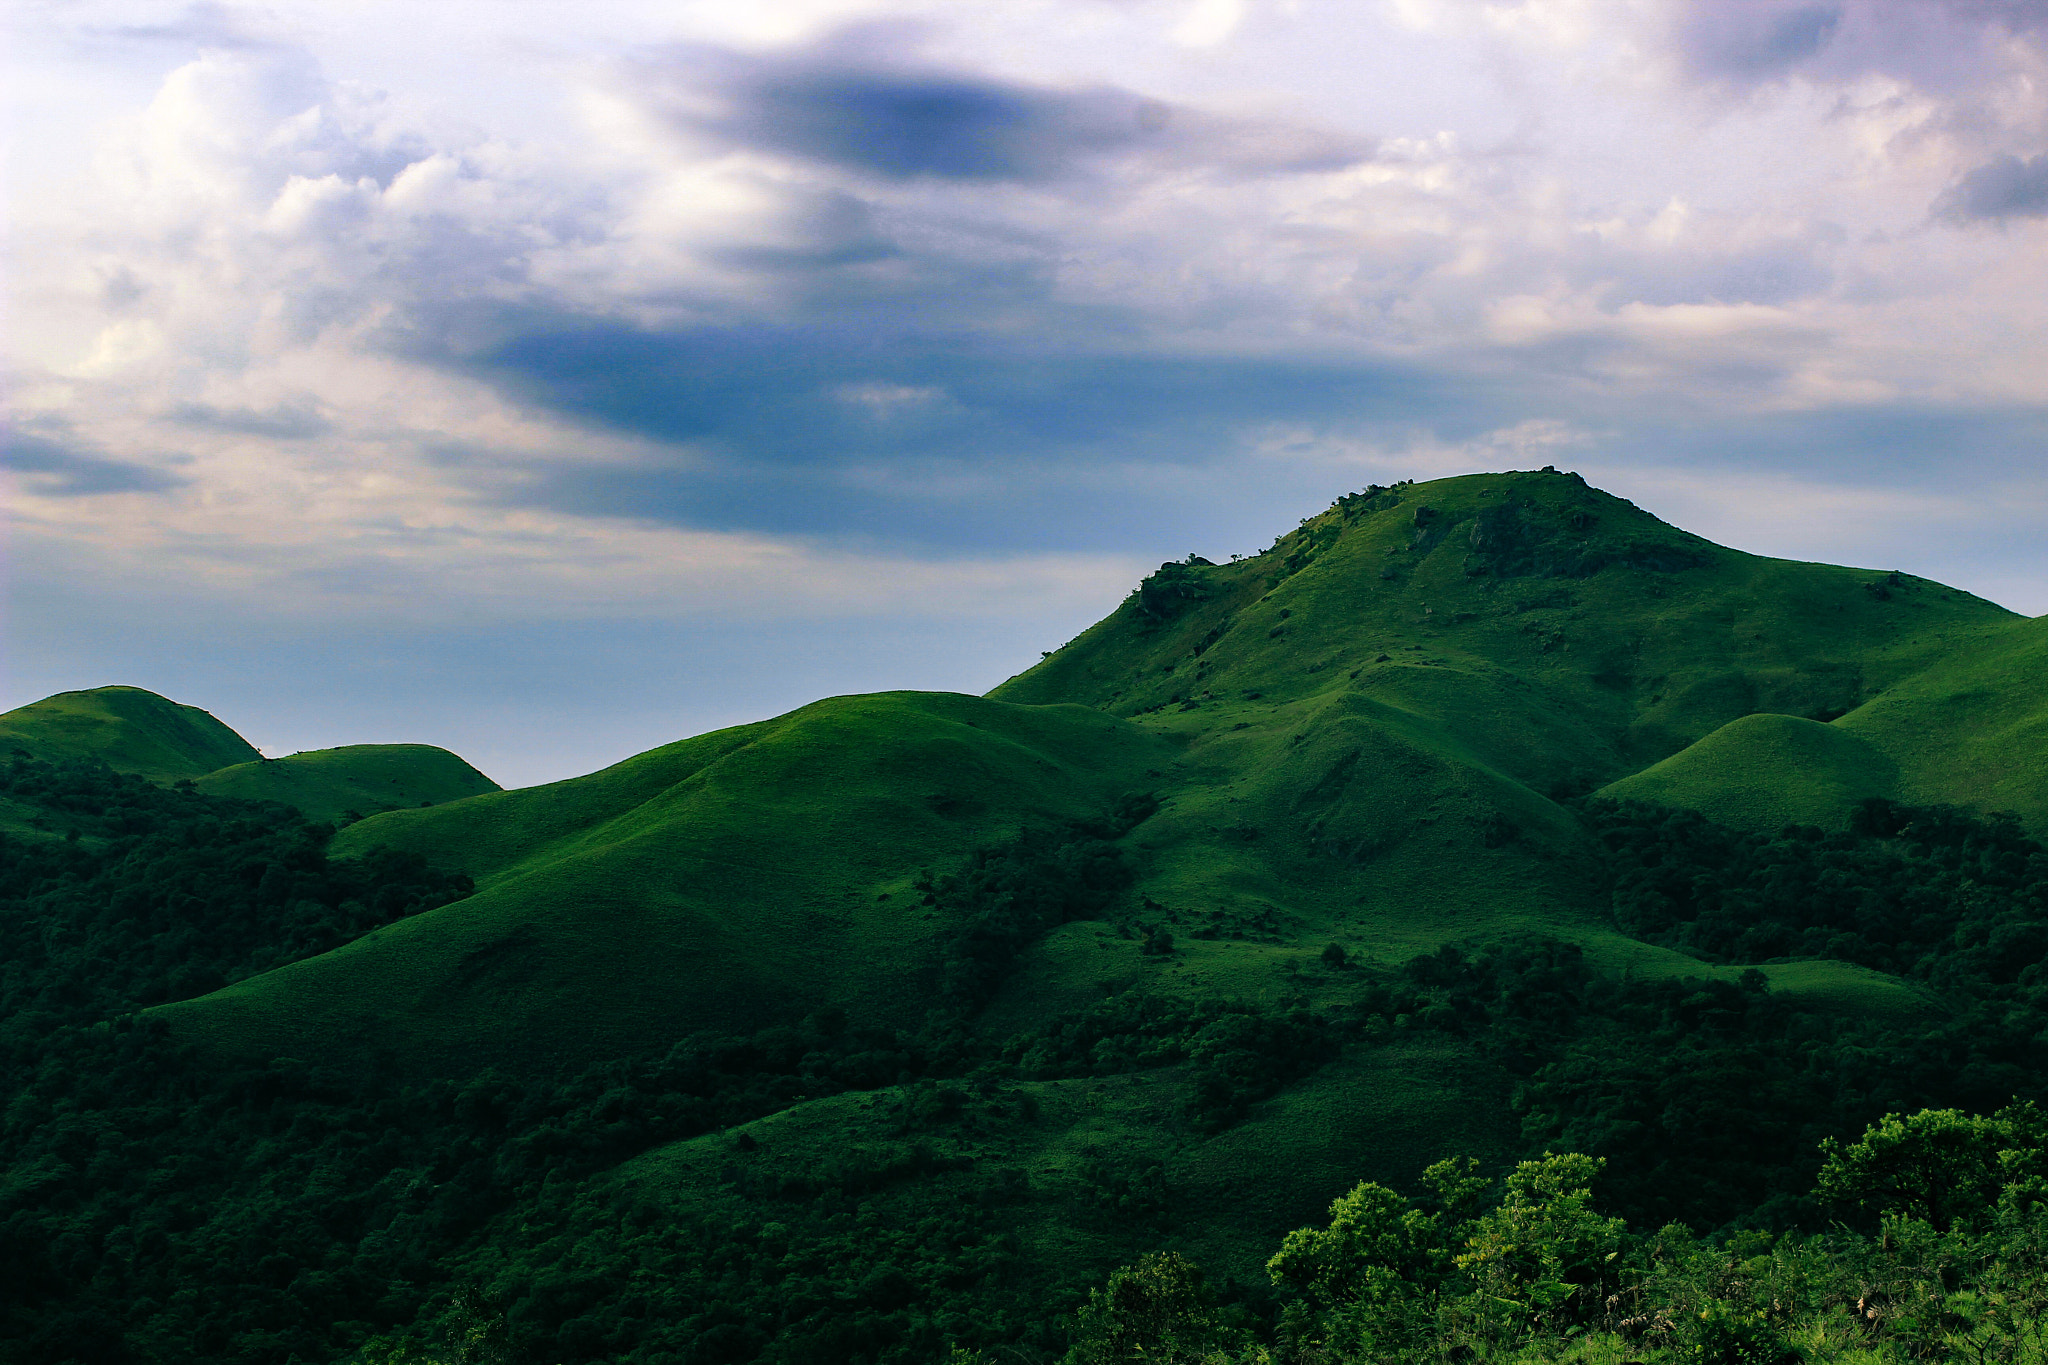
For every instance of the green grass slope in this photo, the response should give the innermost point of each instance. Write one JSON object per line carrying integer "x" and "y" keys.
{"x": 353, "y": 781}
{"x": 1360, "y": 735}
{"x": 726, "y": 882}
{"x": 1972, "y": 728}
{"x": 1764, "y": 772}
{"x": 128, "y": 729}
{"x": 1377, "y": 713}
{"x": 1560, "y": 632}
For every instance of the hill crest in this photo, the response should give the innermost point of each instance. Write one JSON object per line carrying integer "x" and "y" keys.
{"x": 130, "y": 729}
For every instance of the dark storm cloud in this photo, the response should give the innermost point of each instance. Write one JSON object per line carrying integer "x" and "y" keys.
{"x": 854, "y": 101}
{"x": 935, "y": 442}
{"x": 53, "y": 469}
{"x": 2005, "y": 188}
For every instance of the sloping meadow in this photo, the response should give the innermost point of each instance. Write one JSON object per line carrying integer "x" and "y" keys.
{"x": 896, "y": 1022}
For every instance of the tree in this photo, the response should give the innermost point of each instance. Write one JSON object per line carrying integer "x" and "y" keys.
{"x": 1543, "y": 1254}
{"x": 1158, "y": 1312}
{"x": 1376, "y": 1273}
{"x": 1940, "y": 1166}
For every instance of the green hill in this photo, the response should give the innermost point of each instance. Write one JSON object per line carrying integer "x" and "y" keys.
{"x": 911, "y": 1013}
{"x": 1971, "y": 728}
{"x": 353, "y": 781}
{"x": 1562, "y": 633}
{"x": 1361, "y": 734}
{"x": 734, "y": 880}
{"x": 1765, "y": 771}
{"x": 130, "y": 730}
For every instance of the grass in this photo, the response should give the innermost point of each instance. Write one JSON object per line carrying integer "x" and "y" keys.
{"x": 128, "y": 729}
{"x": 1366, "y": 735}
{"x": 1764, "y": 772}
{"x": 1381, "y": 1113}
{"x": 1972, "y": 728}
{"x": 346, "y": 784}
{"x": 727, "y": 882}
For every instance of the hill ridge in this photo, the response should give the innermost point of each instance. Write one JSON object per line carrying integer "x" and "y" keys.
{"x": 1364, "y": 733}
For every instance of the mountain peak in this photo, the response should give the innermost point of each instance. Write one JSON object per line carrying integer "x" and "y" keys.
{"x": 130, "y": 729}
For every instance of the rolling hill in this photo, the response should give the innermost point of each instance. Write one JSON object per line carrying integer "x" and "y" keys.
{"x": 1342, "y": 786}
{"x": 136, "y": 731}
{"x": 353, "y": 781}
{"x": 738, "y": 879}
{"x": 1361, "y": 734}
{"x": 1765, "y": 771}
{"x": 130, "y": 730}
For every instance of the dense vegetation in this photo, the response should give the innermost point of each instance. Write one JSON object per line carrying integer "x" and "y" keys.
{"x": 554, "y": 1124}
{"x": 1531, "y": 1270}
{"x": 148, "y": 894}
{"x": 326, "y": 1213}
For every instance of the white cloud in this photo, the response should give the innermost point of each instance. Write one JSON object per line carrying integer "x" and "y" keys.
{"x": 1209, "y": 22}
{"x": 273, "y": 312}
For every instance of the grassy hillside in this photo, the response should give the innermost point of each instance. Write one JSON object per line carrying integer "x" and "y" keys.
{"x": 734, "y": 880}
{"x": 1764, "y": 771}
{"x": 128, "y": 729}
{"x": 1361, "y": 918}
{"x": 354, "y": 781}
{"x": 1971, "y": 728}
{"x": 1560, "y": 632}
{"x": 1362, "y": 735}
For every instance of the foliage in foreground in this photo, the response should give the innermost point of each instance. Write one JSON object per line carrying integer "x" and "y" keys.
{"x": 1955, "y": 1268}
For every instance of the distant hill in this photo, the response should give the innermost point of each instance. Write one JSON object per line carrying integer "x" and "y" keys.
{"x": 1362, "y": 734}
{"x": 1763, "y": 772}
{"x": 732, "y": 880}
{"x": 136, "y": 731}
{"x": 353, "y": 781}
{"x": 130, "y": 730}
{"x": 1280, "y": 876}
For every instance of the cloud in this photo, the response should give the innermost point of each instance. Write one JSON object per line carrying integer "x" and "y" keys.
{"x": 2005, "y": 188}
{"x": 221, "y": 27}
{"x": 854, "y": 100}
{"x": 1754, "y": 41}
{"x": 841, "y": 296}
{"x": 53, "y": 469}
{"x": 1943, "y": 47}
{"x": 284, "y": 423}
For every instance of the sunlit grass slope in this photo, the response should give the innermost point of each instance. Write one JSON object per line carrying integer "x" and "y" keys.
{"x": 1378, "y": 711}
{"x": 1764, "y": 772}
{"x": 353, "y": 781}
{"x": 1559, "y": 631}
{"x": 1360, "y": 735}
{"x": 1972, "y": 728}
{"x": 725, "y": 882}
{"x": 127, "y": 728}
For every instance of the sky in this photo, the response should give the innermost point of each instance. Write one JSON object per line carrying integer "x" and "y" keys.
{"x": 551, "y": 381}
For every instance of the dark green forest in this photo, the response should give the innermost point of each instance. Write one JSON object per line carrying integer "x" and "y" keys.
{"x": 158, "y": 1206}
